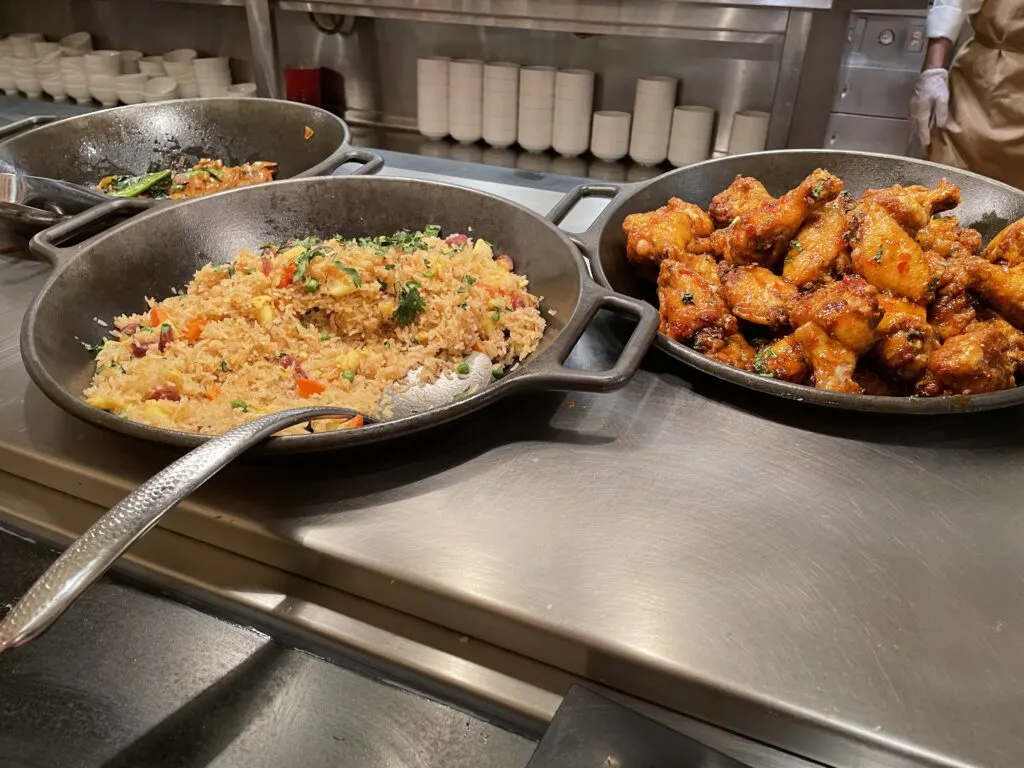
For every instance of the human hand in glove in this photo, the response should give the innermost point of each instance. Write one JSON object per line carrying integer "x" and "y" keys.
{"x": 929, "y": 106}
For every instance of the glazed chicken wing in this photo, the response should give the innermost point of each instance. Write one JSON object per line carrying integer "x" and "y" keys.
{"x": 690, "y": 304}
{"x": 832, "y": 364}
{"x": 664, "y": 233}
{"x": 744, "y": 195}
{"x": 761, "y": 236}
{"x": 756, "y": 295}
{"x": 887, "y": 256}
{"x": 820, "y": 245}
{"x": 979, "y": 360}
{"x": 906, "y": 340}
{"x": 1003, "y": 287}
{"x": 1008, "y": 246}
{"x": 951, "y": 313}
{"x": 847, "y": 311}
{"x": 943, "y": 236}
{"x": 731, "y": 349}
{"x": 912, "y": 207}
{"x": 784, "y": 360}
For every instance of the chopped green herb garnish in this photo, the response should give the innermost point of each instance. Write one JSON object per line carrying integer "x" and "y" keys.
{"x": 462, "y": 369}
{"x": 687, "y": 298}
{"x": 352, "y": 273}
{"x": 796, "y": 245}
{"x": 428, "y": 274}
{"x": 469, "y": 279}
{"x": 389, "y": 266}
{"x": 817, "y": 189}
{"x": 325, "y": 336}
{"x": 240, "y": 404}
{"x": 348, "y": 375}
{"x": 878, "y": 254}
{"x": 761, "y": 361}
{"x": 432, "y": 230}
{"x": 224, "y": 366}
{"x": 165, "y": 327}
{"x": 94, "y": 349}
{"x": 464, "y": 305}
{"x": 312, "y": 285}
{"x": 461, "y": 289}
{"x": 410, "y": 303}
{"x": 786, "y": 261}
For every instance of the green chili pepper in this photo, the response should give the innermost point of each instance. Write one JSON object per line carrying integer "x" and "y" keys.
{"x": 133, "y": 186}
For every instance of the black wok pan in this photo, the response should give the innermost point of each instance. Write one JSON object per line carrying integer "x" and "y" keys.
{"x": 147, "y": 137}
{"x": 988, "y": 206}
{"x": 160, "y": 249}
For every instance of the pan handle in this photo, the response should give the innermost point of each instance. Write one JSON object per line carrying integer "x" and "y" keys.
{"x": 370, "y": 163}
{"x": 561, "y": 209}
{"x": 45, "y": 243}
{"x": 548, "y": 371}
{"x": 13, "y": 129}
{"x": 107, "y": 539}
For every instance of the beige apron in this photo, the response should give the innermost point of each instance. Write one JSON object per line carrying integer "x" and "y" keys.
{"x": 985, "y": 131}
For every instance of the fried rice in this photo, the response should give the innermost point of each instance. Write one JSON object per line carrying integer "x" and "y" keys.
{"x": 340, "y": 322}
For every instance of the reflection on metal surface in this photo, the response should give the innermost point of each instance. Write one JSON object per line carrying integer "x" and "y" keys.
{"x": 791, "y": 67}
{"x": 263, "y": 47}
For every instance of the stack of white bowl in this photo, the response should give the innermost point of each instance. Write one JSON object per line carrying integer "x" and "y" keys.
{"x": 8, "y": 84}
{"x": 466, "y": 100}
{"x": 76, "y": 44}
{"x": 501, "y": 104}
{"x": 101, "y": 68}
{"x": 213, "y": 76}
{"x": 574, "y": 105}
{"x": 23, "y": 44}
{"x": 26, "y": 78}
{"x": 74, "y": 79}
{"x": 432, "y": 96}
{"x": 160, "y": 89}
{"x": 180, "y": 66}
{"x": 129, "y": 88}
{"x": 652, "y": 119}
{"x": 48, "y": 72}
{"x": 536, "y": 108}
{"x": 153, "y": 66}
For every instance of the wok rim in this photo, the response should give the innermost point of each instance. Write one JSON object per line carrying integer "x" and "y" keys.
{"x": 896, "y": 405}
{"x": 325, "y": 165}
{"x": 512, "y": 383}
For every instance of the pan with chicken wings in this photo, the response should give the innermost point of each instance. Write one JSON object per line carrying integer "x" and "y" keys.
{"x": 847, "y": 279}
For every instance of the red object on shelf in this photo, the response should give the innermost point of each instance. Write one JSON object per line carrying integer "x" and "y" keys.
{"x": 302, "y": 84}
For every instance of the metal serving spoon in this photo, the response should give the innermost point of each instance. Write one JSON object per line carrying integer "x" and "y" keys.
{"x": 107, "y": 539}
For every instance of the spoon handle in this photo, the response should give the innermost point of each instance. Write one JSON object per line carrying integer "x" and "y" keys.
{"x": 107, "y": 539}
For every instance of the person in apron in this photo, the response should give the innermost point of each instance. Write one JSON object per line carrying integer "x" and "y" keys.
{"x": 973, "y": 116}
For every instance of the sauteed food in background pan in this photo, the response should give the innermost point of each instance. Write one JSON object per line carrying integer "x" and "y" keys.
{"x": 875, "y": 295}
{"x": 203, "y": 178}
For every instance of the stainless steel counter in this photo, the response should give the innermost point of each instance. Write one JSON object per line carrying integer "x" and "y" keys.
{"x": 844, "y": 586}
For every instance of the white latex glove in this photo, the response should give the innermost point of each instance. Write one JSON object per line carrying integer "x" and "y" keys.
{"x": 929, "y": 106}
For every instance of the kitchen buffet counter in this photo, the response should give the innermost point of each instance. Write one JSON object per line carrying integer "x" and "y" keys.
{"x": 844, "y": 586}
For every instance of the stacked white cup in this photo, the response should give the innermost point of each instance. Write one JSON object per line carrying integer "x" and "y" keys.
{"x": 501, "y": 103}
{"x": 180, "y": 66}
{"x": 609, "y": 140}
{"x": 75, "y": 79}
{"x": 692, "y": 128}
{"x": 46, "y": 49}
{"x": 432, "y": 96}
{"x": 8, "y": 82}
{"x": 465, "y": 100}
{"x": 749, "y": 132}
{"x": 536, "y": 108}
{"x": 652, "y": 119}
{"x": 213, "y": 76}
{"x": 574, "y": 105}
